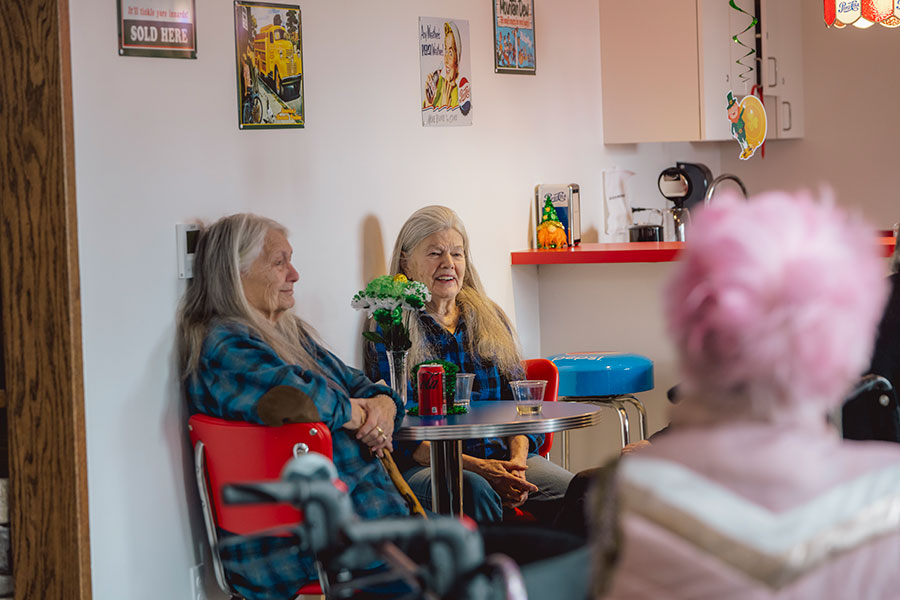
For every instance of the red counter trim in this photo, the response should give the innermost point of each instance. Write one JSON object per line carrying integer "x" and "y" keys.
{"x": 633, "y": 252}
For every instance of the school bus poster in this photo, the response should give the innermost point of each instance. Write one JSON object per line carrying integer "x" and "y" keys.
{"x": 269, "y": 59}
{"x": 161, "y": 28}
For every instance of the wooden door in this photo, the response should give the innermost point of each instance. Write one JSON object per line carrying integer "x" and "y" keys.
{"x": 40, "y": 305}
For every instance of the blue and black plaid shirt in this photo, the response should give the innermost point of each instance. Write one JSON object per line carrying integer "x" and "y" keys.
{"x": 236, "y": 369}
{"x": 489, "y": 384}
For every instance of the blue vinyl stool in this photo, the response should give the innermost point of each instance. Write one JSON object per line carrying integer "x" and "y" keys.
{"x": 606, "y": 378}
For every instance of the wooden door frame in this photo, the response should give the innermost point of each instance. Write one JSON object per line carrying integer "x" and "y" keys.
{"x": 41, "y": 306}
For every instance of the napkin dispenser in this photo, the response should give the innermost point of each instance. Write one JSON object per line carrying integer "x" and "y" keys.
{"x": 560, "y": 202}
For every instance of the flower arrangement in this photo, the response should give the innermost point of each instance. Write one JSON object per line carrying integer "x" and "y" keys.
{"x": 384, "y": 299}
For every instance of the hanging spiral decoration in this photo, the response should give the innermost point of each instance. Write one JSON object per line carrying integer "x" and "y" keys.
{"x": 743, "y": 75}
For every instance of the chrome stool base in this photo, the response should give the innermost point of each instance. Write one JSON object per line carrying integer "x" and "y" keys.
{"x": 618, "y": 403}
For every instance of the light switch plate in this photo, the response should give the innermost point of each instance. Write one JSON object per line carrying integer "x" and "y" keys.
{"x": 186, "y": 243}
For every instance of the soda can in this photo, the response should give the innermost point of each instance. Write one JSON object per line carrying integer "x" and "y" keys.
{"x": 430, "y": 386}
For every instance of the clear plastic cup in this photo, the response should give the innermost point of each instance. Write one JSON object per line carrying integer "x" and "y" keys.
{"x": 529, "y": 395}
{"x": 463, "y": 389}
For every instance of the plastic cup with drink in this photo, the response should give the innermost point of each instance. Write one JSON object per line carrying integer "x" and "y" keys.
{"x": 529, "y": 395}
{"x": 464, "y": 389}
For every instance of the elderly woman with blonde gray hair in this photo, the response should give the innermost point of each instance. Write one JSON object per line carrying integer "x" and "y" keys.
{"x": 462, "y": 325}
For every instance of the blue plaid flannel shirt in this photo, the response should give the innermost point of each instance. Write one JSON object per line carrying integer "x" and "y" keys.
{"x": 489, "y": 384}
{"x": 236, "y": 369}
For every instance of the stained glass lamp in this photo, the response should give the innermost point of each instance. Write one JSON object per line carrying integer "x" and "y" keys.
{"x": 862, "y": 13}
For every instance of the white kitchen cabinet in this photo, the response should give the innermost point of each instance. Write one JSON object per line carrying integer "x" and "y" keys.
{"x": 667, "y": 67}
{"x": 783, "y": 67}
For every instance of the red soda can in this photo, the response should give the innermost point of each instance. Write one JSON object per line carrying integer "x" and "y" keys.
{"x": 430, "y": 385}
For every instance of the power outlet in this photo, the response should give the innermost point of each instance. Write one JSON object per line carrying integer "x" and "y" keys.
{"x": 197, "y": 591}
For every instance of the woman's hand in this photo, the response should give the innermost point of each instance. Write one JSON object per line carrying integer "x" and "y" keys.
{"x": 506, "y": 477}
{"x": 431, "y": 87}
{"x": 357, "y": 415}
{"x": 377, "y": 428}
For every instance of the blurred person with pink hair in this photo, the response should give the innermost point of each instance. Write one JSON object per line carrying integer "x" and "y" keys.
{"x": 752, "y": 494}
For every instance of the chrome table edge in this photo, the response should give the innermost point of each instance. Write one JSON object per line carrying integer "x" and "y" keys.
{"x": 456, "y": 427}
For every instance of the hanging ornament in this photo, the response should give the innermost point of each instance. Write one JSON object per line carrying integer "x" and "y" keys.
{"x": 748, "y": 123}
{"x": 747, "y": 68}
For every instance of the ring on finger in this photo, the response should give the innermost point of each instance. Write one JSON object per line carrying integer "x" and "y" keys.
{"x": 379, "y": 429}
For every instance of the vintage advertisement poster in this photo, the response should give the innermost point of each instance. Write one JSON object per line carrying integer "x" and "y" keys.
{"x": 514, "y": 36}
{"x": 269, "y": 58}
{"x": 164, "y": 28}
{"x": 444, "y": 72}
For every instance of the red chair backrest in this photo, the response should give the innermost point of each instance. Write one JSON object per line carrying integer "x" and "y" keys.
{"x": 541, "y": 368}
{"x": 237, "y": 452}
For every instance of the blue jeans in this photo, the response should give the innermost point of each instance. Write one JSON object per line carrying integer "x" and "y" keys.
{"x": 481, "y": 502}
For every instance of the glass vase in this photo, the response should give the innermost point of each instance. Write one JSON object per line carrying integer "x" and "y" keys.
{"x": 398, "y": 371}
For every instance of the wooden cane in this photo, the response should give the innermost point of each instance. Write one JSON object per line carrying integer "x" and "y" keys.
{"x": 394, "y": 473}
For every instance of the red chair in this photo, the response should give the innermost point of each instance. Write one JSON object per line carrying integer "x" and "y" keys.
{"x": 232, "y": 452}
{"x": 538, "y": 368}
{"x": 541, "y": 368}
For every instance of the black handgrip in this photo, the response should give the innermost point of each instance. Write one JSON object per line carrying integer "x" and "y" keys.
{"x": 870, "y": 383}
{"x": 264, "y": 492}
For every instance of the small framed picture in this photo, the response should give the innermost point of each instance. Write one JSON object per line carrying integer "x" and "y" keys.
{"x": 444, "y": 70}
{"x": 514, "y": 36}
{"x": 269, "y": 61}
{"x": 160, "y": 28}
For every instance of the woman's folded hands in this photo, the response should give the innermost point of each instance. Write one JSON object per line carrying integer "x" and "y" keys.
{"x": 506, "y": 477}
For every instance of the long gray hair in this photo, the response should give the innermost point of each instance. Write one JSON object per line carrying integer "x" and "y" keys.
{"x": 491, "y": 335}
{"x": 225, "y": 251}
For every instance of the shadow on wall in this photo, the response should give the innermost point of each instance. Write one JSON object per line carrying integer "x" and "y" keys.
{"x": 373, "y": 257}
{"x": 374, "y": 264}
{"x": 174, "y": 430}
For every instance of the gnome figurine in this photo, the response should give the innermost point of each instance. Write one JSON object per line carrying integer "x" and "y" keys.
{"x": 550, "y": 233}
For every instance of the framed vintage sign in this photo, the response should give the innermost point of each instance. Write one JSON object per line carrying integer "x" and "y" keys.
{"x": 514, "y": 36}
{"x": 269, "y": 60}
{"x": 446, "y": 89}
{"x": 163, "y": 28}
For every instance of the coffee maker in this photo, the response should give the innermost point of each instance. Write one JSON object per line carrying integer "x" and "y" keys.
{"x": 685, "y": 185}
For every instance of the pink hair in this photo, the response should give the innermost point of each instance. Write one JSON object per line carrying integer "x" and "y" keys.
{"x": 773, "y": 308}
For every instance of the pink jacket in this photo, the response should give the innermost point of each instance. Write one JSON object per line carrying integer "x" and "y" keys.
{"x": 750, "y": 511}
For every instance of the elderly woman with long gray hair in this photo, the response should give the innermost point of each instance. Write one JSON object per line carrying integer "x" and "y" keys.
{"x": 247, "y": 357}
{"x": 462, "y": 325}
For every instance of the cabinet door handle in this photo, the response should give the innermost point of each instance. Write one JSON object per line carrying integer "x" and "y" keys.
{"x": 790, "y": 116}
{"x": 774, "y": 71}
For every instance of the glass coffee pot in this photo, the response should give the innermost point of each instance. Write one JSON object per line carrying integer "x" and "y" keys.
{"x": 684, "y": 184}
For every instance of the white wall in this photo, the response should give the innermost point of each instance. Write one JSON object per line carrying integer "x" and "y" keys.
{"x": 157, "y": 143}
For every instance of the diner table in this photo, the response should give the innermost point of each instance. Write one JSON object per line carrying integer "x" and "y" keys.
{"x": 490, "y": 418}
